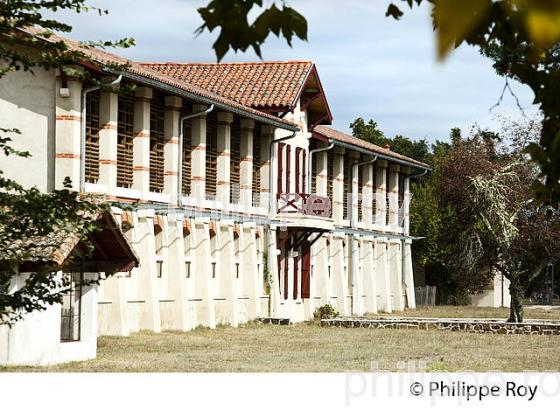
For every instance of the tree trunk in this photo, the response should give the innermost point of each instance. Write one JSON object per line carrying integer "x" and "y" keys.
{"x": 516, "y": 307}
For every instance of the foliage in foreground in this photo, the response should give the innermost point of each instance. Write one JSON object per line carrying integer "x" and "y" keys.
{"x": 27, "y": 214}
{"x": 521, "y": 37}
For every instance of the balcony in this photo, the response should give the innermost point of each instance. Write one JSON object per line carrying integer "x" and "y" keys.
{"x": 307, "y": 211}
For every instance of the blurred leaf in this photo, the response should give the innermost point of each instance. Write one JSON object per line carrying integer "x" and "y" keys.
{"x": 454, "y": 20}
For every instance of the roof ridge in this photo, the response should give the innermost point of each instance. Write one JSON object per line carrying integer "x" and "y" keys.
{"x": 370, "y": 145}
{"x": 172, "y": 63}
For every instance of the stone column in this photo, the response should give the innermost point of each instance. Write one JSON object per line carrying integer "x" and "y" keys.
{"x": 141, "y": 147}
{"x": 321, "y": 278}
{"x": 272, "y": 267}
{"x": 146, "y": 248}
{"x": 114, "y": 289}
{"x": 68, "y": 132}
{"x": 408, "y": 274}
{"x": 108, "y": 138}
{"x": 355, "y": 263}
{"x": 224, "y": 151}
{"x": 340, "y": 278}
{"x": 321, "y": 165}
{"x": 248, "y": 270}
{"x": 393, "y": 193}
{"x": 171, "y": 149}
{"x": 198, "y": 156}
{"x": 177, "y": 283}
{"x": 406, "y": 200}
{"x": 227, "y": 281}
{"x": 338, "y": 185}
{"x": 367, "y": 193}
{"x": 354, "y": 188}
{"x": 396, "y": 274}
{"x": 382, "y": 276}
{"x": 201, "y": 268}
{"x": 369, "y": 275}
{"x": 246, "y": 169}
{"x": 380, "y": 195}
{"x": 267, "y": 135}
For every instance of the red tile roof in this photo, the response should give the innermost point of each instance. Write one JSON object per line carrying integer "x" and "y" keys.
{"x": 336, "y": 135}
{"x": 275, "y": 84}
{"x": 105, "y": 58}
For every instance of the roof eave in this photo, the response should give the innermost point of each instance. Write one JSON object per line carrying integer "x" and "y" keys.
{"x": 313, "y": 70}
{"x": 201, "y": 99}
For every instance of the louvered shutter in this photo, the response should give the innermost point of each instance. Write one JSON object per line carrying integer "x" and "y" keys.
{"x": 125, "y": 141}
{"x": 306, "y": 271}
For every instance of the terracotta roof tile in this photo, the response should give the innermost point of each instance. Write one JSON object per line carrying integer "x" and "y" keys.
{"x": 103, "y": 57}
{"x": 336, "y": 135}
{"x": 259, "y": 85}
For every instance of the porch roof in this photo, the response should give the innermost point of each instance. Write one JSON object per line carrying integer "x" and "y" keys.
{"x": 112, "y": 252}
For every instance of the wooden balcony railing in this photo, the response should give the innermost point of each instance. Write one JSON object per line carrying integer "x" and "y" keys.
{"x": 304, "y": 204}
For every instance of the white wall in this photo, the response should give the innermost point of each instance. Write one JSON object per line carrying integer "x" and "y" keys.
{"x": 27, "y": 102}
{"x": 35, "y": 340}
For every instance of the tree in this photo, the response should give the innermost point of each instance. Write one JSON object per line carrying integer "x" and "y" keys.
{"x": 418, "y": 150}
{"x": 479, "y": 218}
{"x": 26, "y": 214}
{"x": 525, "y": 236}
{"x": 520, "y": 36}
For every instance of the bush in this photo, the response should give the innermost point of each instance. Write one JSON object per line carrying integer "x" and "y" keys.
{"x": 325, "y": 312}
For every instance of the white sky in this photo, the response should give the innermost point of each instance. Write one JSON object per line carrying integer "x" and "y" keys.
{"x": 370, "y": 65}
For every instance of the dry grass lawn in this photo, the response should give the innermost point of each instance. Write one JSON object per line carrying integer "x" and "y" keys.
{"x": 310, "y": 348}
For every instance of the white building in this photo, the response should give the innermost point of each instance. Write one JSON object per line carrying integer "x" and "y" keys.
{"x": 247, "y": 203}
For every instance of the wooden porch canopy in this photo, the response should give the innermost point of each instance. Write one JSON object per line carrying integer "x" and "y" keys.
{"x": 112, "y": 252}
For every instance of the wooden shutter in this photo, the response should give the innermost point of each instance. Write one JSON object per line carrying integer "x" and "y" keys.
{"x": 360, "y": 188}
{"x": 288, "y": 166}
{"x": 157, "y": 143}
{"x": 330, "y": 172}
{"x": 296, "y": 271}
{"x": 306, "y": 271}
{"x": 304, "y": 171}
{"x": 92, "y": 137}
{"x": 235, "y": 162}
{"x": 286, "y": 270}
{"x": 257, "y": 164}
{"x": 280, "y": 178}
{"x": 125, "y": 141}
{"x": 298, "y": 169}
{"x": 279, "y": 259}
{"x": 387, "y": 204}
{"x": 211, "y": 154}
{"x": 187, "y": 158}
{"x": 401, "y": 188}
{"x": 373, "y": 191}
{"x": 347, "y": 167}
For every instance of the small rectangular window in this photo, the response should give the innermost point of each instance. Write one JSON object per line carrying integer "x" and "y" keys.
{"x": 159, "y": 267}
{"x": 213, "y": 269}
{"x": 188, "y": 269}
{"x": 237, "y": 270}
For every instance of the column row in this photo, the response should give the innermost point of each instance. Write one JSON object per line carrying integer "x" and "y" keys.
{"x": 364, "y": 194}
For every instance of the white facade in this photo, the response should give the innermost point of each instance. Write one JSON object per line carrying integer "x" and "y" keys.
{"x": 211, "y": 260}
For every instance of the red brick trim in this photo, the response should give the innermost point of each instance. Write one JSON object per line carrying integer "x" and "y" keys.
{"x": 68, "y": 118}
{"x": 67, "y": 155}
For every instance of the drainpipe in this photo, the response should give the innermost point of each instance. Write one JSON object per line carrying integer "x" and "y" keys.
{"x": 180, "y": 159}
{"x": 310, "y": 162}
{"x": 85, "y": 92}
{"x": 272, "y": 199}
